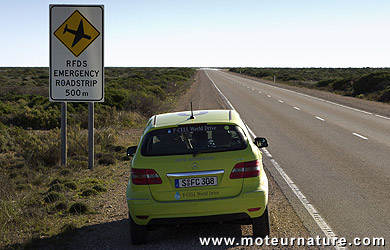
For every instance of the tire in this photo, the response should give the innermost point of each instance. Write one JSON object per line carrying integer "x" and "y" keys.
{"x": 138, "y": 233}
{"x": 261, "y": 225}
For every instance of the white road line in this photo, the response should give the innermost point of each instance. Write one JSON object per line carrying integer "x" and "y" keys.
{"x": 259, "y": 92}
{"x": 253, "y": 89}
{"x": 360, "y": 136}
{"x": 315, "y": 98}
{"x": 280, "y": 101}
{"x": 343, "y": 106}
{"x": 268, "y": 95}
{"x": 326, "y": 229}
{"x": 229, "y": 104}
{"x": 297, "y": 108}
{"x": 319, "y": 118}
{"x": 384, "y": 117}
{"x": 305, "y": 202}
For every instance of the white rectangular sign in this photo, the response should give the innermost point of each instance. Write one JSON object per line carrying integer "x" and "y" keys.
{"x": 76, "y": 53}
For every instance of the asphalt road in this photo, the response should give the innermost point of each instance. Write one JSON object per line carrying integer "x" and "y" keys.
{"x": 339, "y": 157}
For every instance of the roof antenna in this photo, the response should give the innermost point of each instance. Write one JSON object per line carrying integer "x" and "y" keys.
{"x": 192, "y": 113}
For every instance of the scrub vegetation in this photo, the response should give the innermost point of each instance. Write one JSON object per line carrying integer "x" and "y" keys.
{"x": 366, "y": 83}
{"x": 39, "y": 198}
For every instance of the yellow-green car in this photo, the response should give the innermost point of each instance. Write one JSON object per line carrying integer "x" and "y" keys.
{"x": 193, "y": 167}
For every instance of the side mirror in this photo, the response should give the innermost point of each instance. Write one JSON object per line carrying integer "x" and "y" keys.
{"x": 261, "y": 142}
{"x": 131, "y": 151}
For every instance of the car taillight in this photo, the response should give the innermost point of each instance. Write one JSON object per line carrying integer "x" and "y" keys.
{"x": 145, "y": 176}
{"x": 245, "y": 170}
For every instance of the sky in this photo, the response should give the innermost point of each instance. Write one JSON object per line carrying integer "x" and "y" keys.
{"x": 214, "y": 33}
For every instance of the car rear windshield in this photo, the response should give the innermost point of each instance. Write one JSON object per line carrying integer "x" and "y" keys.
{"x": 194, "y": 139}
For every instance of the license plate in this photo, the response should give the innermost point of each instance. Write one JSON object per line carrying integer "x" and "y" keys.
{"x": 196, "y": 182}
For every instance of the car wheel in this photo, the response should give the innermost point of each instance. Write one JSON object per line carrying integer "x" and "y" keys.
{"x": 261, "y": 225}
{"x": 138, "y": 233}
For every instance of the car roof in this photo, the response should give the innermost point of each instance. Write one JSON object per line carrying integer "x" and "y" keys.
{"x": 200, "y": 116}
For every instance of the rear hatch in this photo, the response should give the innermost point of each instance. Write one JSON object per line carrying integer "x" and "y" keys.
{"x": 202, "y": 174}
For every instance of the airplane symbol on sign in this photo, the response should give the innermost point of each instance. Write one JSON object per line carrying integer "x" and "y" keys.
{"x": 78, "y": 34}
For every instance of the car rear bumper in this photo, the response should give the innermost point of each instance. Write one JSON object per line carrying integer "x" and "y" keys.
{"x": 151, "y": 212}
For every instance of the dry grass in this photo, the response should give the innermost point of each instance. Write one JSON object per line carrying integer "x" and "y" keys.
{"x": 38, "y": 202}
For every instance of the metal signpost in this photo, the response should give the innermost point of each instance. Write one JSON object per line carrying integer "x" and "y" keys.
{"x": 77, "y": 63}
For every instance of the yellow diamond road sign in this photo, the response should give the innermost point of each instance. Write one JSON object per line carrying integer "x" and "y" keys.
{"x": 76, "y": 33}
